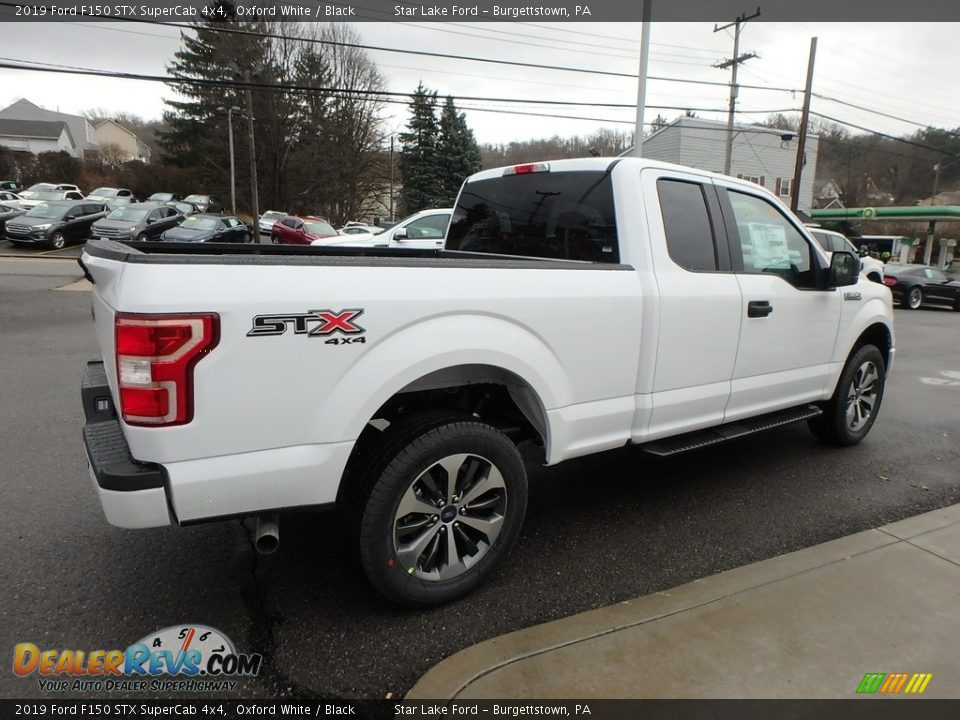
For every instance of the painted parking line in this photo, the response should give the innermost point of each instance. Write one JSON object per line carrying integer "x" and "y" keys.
{"x": 951, "y": 378}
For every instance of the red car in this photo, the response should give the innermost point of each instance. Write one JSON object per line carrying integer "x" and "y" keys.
{"x": 293, "y": 230}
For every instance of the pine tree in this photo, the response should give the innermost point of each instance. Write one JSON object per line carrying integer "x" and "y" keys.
{"x": 459, "y": 153}
{"x": 419, "y": 155}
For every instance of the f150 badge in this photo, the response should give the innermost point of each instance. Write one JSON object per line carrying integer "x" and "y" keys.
{"x": 315, "y": 323}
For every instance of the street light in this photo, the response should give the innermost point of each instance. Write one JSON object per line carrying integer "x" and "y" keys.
{"x": 233, "y": 175}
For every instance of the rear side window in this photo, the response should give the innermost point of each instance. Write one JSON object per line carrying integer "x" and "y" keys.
{"x": 563, "y": 215}
{"x": 687, "y": 225}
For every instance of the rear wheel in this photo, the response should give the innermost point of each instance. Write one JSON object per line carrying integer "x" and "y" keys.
{"x": 445, "y": 503}
{"x": 850, "y": 413}
{"x": 913, "y": 298}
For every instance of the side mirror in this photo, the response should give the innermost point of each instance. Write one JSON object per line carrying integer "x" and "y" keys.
{"x": 400, "y": 234}
{"x": 844, "y": 269}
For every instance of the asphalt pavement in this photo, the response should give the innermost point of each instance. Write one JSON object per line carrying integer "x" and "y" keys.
{"x": 599, "y": 530}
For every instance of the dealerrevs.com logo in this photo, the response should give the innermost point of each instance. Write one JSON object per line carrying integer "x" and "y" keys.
{"x": 187, "y": 658}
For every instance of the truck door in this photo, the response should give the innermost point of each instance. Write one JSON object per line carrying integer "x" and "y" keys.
{"x": 789, "y": 327}
{"x": 698, "y": 318}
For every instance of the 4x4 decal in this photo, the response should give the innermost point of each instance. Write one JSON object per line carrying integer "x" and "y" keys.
{"x": 315, "y": 323}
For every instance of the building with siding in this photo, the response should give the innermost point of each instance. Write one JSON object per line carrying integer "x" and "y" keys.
{"x": 81, "y": 129}
{"x": 763, "y": 155}
{"x": 36, "y": 136}
{"x": 130, "y": 146}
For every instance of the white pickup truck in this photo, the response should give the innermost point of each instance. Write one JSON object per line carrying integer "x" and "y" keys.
{"x": 578, "y": 305}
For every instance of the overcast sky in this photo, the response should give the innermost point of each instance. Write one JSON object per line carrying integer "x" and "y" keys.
{"x": 902, "y": 69}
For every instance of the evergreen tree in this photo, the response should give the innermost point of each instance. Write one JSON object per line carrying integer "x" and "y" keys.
{"x": 459, "y": 153}
{"x": 419, "y": 155}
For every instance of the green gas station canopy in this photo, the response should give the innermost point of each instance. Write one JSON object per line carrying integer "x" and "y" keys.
{"x": 932, "y": 213}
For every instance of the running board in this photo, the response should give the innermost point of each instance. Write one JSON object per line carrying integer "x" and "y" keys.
{"x": 731, "y": 431}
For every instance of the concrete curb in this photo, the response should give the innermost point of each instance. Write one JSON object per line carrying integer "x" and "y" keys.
{"x": 525, "y": 652}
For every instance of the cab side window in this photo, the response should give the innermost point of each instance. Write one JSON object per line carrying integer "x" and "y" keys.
{"x": 686, "y": 222}
{"x": 769, "y": 242}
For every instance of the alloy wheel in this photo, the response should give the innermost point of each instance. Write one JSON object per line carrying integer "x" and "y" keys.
{"x": 862, "y": 395}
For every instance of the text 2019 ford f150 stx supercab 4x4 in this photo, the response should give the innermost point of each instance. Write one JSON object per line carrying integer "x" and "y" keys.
{"x": 581, "y": 305}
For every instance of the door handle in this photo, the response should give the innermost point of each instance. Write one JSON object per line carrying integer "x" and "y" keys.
{"x": 759, "y": 308}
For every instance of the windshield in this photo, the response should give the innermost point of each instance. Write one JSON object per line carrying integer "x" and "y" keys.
{"x": 129, "y": 214}
{"x": 196, "y": 198}
{"x": 182, "y": 208}
{"x": 48, "y": 195}
{"x": 48, "y": 212}
{"x": 104, "y": 192}
{"x": 199, "y": 223}
{"x": 161, "y": 197}
{"x": 316, "y": 228}
{"x": 271, "y": 215}
{"x": 40, "y": 186}
{"x": 562, "y": 215}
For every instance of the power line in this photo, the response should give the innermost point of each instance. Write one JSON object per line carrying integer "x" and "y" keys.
{"x": 75, "y": 70}
{"x": 883, "y": 135}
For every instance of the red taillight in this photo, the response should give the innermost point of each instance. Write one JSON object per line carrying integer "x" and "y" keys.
{"x": 155, "y": 359}
{"x": 887, "y": 280}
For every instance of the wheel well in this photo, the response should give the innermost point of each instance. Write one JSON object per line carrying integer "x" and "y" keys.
{"x": 492, "y": 394}
{"x": 878, "y": 335}
{"x": 874, "y": 277}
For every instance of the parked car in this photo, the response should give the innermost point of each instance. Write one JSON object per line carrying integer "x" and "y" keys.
{"x": 32, "y": 198}
{"x": 55, "y": 223}
{"x": 605, "y": 302}
{"x": 425, "y": 229}
{"x": 294, "y": 230}
{"x": 210, "y": 228}
{"x": 112, "y": 197}
{"x": 11, "y": 185}
{"x": 9, "y": 197}
{"x": 372, "y": 229}
{"x": 8, "y": 211}
{"x": 137, "y": 221}
{"x": 165, "y": 197}
{"x": 183, "y": 207}
{"x": 914, "y": 286}
{"x": 266, "y": 221}
{"x": 206, "y": 203}
{"x": 832, "y": 241}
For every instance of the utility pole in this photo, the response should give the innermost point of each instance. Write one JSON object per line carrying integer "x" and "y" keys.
{"x": 254, "y": 195}
{"x": 804, "y": 121}
{"x": 645, "y": 13}
{"x": 233, "y": 174}
{"x": 734, "y": 63}
{"x": 391, "y": 178}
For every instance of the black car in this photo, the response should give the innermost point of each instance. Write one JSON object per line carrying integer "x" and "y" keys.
{"x": 11, "y": 185}
{"x": 916, "y": 285}
{"x": 206, "y": 203}
{"x": 165, "y": 197}
{"x": 139, "y": 221}
{"x": 55, "y": 223}
{"x": 210, "y": 228}
{"x": 8, "y": 212}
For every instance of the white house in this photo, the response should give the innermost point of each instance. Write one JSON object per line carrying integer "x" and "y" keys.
{"x": 81, "y": 129}
{"x": 36, "y": 136}
{"x": 766, "y": 156}
{"x": 130, "y": 146}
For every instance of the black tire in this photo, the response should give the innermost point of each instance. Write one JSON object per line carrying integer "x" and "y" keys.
{"x": 143, "y": 237}
{"x": 835, "y": 425}
{"x": 58, "y": 241}
{"x": 912, "y": 299}
{"x": 399, "y": 461}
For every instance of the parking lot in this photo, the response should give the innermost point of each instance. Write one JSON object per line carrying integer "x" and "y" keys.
{"x": 599, "y": 530}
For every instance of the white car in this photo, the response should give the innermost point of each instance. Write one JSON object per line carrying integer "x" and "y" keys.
{"x": 267, "y": 220}
{"x": 832, "y": 241}
{"x": 29, "y": 199}
{"x": 577, "y": 306}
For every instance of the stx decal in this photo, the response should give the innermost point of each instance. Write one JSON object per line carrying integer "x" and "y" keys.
{"x": 894, "y": 683}
{"x": 315, "y": 323}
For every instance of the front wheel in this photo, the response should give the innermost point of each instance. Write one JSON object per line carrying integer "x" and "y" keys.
{"x": 445, "y": 506}
{"x": 913, "y": 299}
{"x": 850, "y": 413}
{"x": 58, "y": 241}
{"x": 143, "y": 237}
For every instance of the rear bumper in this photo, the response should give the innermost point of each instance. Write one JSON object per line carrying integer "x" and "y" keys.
{"x": 132, "y": 493}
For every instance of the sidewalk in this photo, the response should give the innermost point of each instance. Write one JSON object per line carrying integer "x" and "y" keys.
{"x": 807, "y": 625}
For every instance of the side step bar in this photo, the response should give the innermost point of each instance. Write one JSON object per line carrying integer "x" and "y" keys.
{"x": 730, "y": 431}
